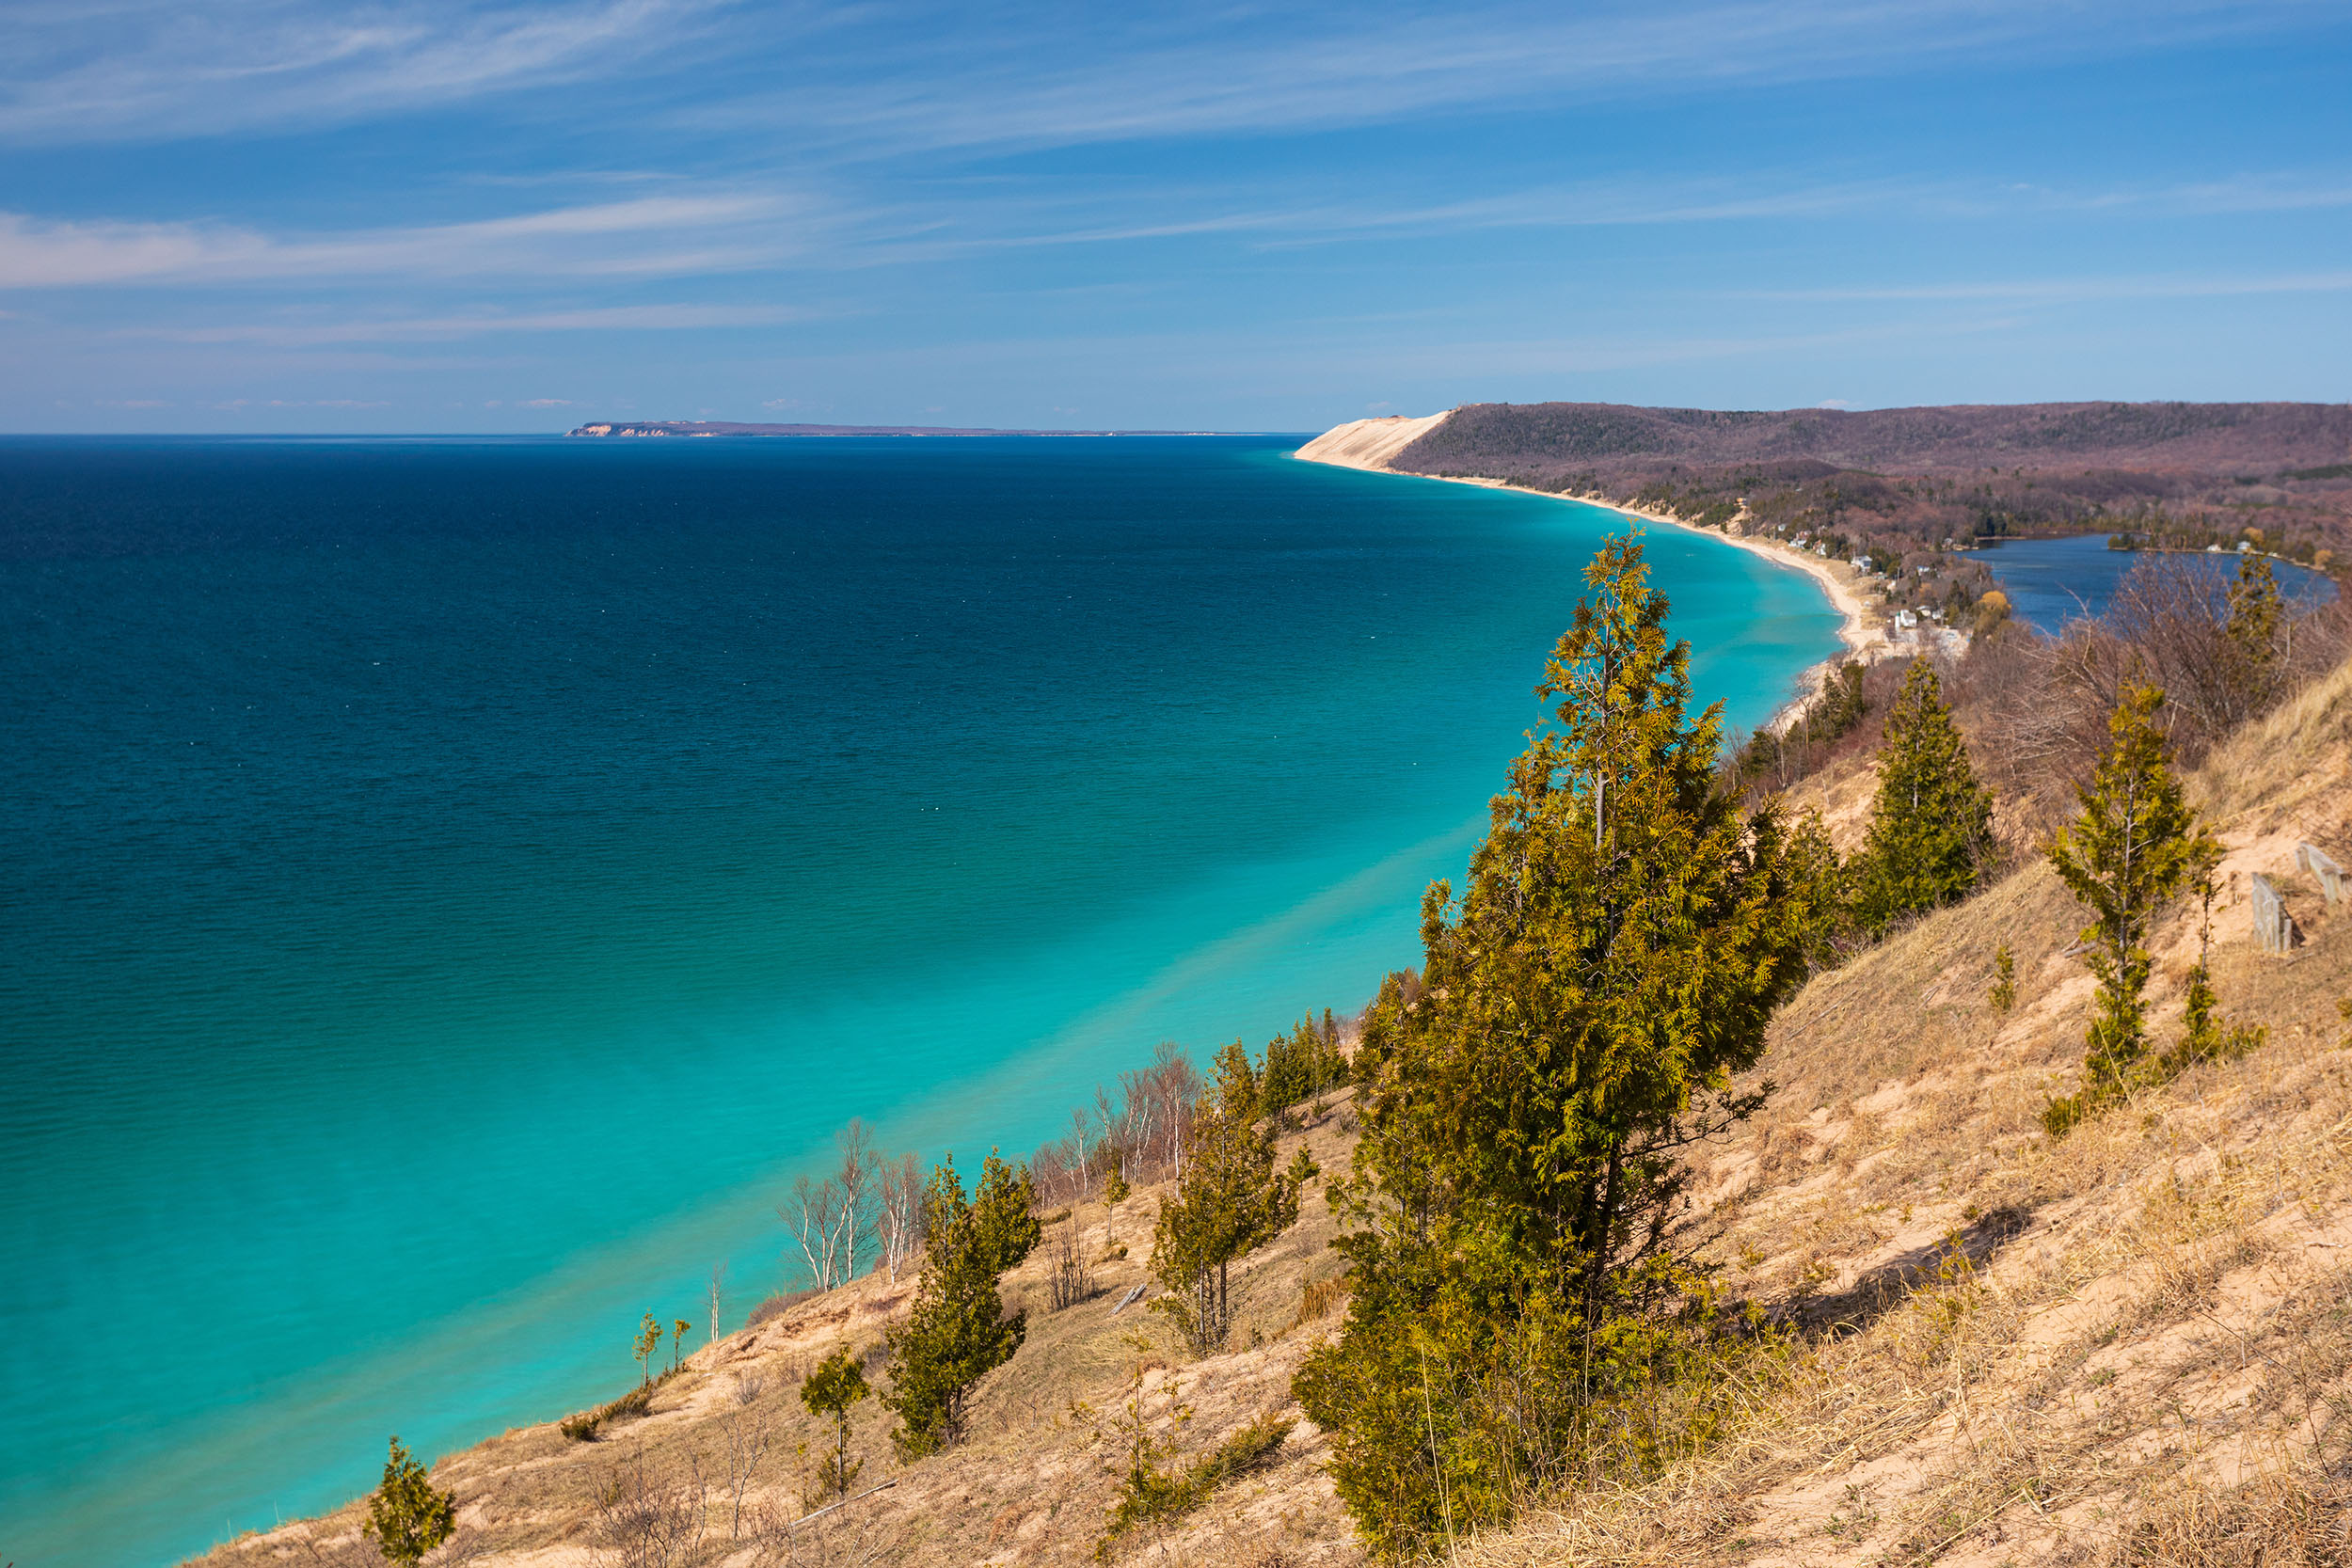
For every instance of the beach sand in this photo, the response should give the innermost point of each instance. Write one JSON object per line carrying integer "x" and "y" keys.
{"x": 1370, "y": 444}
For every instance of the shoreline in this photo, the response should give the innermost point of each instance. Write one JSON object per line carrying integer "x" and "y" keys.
{"x": 1858, "y": 629}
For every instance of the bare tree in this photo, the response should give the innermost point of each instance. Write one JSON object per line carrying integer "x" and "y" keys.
{"x": 900, "y": 1212}
{"x": 717, "y": 1294}
{"x": 1081, "y": 1140}
{"x": 644, "y": 1520}
{"x": 817, "y": 1217}
{"x": 840, "y": 1535}
{"x": 857, "y": 1179}
{"x": 830, "y": 1219}
{"x": 748, "y": 1432}
{"x": 1069, "y": 1277}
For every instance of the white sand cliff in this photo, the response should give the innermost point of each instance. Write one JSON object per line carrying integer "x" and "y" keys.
{"x": 1370, "y": 443}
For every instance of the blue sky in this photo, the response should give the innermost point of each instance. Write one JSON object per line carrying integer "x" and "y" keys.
{"x": 283, "y": 215}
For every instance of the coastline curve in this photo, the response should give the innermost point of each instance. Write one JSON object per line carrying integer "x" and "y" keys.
{"x": 1371, "y": 445}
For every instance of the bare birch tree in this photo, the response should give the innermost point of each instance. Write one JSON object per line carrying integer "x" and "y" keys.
{"x": 818, "y": 1219}
{"x": 857, "y": 1180}
{"x": 899, "y": 1218}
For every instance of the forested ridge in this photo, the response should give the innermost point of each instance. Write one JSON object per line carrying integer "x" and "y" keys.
{"x": 1897, "y": 482}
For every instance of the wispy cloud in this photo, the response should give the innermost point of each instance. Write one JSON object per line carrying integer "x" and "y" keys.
{"x": 652, "y": 236}
{"x": 2070, "y": 291}
{"x": 973, "y": 81}
{"x": 621, "y": 318}
{"x": 923, "y": 73}
{"x": 115, "y": 70}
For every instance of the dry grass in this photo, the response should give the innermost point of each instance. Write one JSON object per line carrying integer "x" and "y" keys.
{"x": 1030, "y": 1485}
{"x": 2132, "y": 1347}
{"x": 2129, "y": 1347}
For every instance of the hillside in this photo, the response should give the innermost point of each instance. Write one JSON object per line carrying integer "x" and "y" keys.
{"x": 1909, "y": 487}
{"x": 2251, "y": 438}
{"x": 2129, "y": 1346}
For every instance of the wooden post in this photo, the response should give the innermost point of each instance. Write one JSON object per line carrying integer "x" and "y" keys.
{"x": 2309, "y": 857}
{"x": 2272, "y": 929}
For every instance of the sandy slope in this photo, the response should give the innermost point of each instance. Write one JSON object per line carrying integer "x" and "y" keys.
{"x": 1369, "y": 443}
{"x": 2132, "y": 1347}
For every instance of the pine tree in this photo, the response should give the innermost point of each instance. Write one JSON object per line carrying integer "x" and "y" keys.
{"x": 406, "y": 1517}
{"x": 1933, "y": 820}
{"x": 1302, "y": 1064}
{"x": 1236, "y": 1083}
{"x": 836, "y": 1385}
{"x": 2205, "y": 1035}
{"x": 2255, "y": 616}
{"x": 1819, "y": 900}
{"x": 2136, "y": 845}
{"x": 1228, "y": 1202}
{"x": 958, "y": 1330}
{"x": 1623, "y": 942}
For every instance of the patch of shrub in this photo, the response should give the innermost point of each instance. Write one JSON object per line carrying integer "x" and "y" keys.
{"x": 586, "y": 1426}
{"x": 1318, "y": 1299}
{"x": 1149, "y": 1495}
{"x": 776, "y": 1306}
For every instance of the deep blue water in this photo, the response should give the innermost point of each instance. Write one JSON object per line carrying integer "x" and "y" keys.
{"x": 451, "y": 886}
{"x": 2052, "y": 581}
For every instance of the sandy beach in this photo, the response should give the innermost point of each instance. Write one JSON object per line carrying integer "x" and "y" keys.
{"x": 1369, "y": 445}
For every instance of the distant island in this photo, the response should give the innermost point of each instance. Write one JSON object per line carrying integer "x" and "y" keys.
{"x": 726, "y": 427}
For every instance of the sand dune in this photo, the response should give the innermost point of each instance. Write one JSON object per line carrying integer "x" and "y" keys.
{"x": 1370, "y": 443}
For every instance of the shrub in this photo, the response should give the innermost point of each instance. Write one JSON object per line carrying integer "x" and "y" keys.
{"x": 836, "y": 1385}
{"x": 586, "y": 1426}
{"x": 1068, "y": 1276}
{"x": 778, "y": 1304}
{"x": 1316, "y": 1301}
{"x": 1149, "y": 1495}
{"x": 406, "y": 1517}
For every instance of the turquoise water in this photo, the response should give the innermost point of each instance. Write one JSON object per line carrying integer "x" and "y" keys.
{"x": 453, "y": 886}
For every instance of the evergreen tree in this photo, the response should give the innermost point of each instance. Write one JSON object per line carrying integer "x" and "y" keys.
{"x": 1302, "y": 1064}
{"x": 1841, "y": 705}
{"x": 2205, "y": 1035}
{"x": 1236, "y": 1083}
{"x": 2136, "y": 845}
{"x": 1005, "y": 1213}
{"x": 1229, "y": 1201}
{"x": 836, "y": 1385}
{"x": 1114, "y": 1194}
{"x": 1819, "y": 903}
{"x": 1933, "y": 820}
{"x": 958, "y": 1330}
{"x": 1622, "y": 943}
{"x": 2255, "y": 617}
{"x": 406, "y": 1517}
